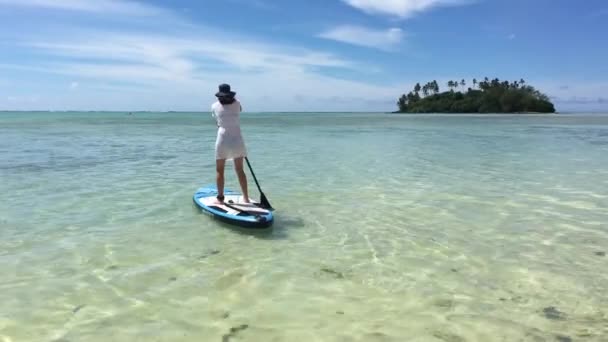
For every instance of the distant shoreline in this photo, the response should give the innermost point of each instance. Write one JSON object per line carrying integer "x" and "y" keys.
{"x": 505, "y": 113}
{"x": 577, "y": 112}
{"x": 185, "y": 111}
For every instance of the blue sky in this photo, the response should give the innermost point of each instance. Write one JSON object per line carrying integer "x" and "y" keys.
{"x": 292, "y": 55}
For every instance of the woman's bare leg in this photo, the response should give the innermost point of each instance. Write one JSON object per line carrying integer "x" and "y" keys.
{"x": 219, "y": 176}
{"x": 238, "y": 167}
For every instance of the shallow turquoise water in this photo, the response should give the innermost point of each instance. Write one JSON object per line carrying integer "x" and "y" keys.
{"x": 388, "y": 228}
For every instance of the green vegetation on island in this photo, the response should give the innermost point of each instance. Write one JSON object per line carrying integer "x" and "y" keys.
{"x": 487, "y": 96}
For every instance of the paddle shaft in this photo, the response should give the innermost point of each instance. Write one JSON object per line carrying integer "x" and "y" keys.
{"x": 253, "y": 174}
{"x": 263, "y": 199}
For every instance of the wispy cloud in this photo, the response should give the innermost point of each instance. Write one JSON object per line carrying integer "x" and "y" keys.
{"x": 22, "y": 99}
{"x": 581, "y": 100}
{"x": 171, "y": 69}
{"x": 576, "y": 94}
{"x": 97, "y": 6}
{"x": 401, "y": 8}
{"x": 511, "y": 36}
{"x": 158, "y": 56}
{"x": 263, "y": 4}
{"x": 186, "y": 53}
{"x": 357, "y": 35}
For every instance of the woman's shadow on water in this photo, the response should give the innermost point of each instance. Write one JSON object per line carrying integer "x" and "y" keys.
{"x": 279, "y": 230}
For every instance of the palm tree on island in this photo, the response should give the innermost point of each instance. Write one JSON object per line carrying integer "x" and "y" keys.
{"x": 491, "y": 96}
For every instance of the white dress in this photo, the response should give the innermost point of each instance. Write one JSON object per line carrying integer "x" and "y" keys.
{"x": 229, "y": 143}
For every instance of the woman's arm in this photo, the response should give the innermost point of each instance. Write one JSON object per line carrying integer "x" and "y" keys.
{"x": 214, "y": 116}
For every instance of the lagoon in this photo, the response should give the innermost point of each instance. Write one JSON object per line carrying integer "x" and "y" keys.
{"x": 388, "y": 228}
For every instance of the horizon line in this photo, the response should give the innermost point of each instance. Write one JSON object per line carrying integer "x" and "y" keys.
{"x": 276, "y": 112}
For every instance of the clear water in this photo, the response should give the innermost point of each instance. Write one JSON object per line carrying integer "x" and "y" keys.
{"x": 388, "y": 228}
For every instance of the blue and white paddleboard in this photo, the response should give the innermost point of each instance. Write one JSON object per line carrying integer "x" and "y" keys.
{"x": 233, "y": 211}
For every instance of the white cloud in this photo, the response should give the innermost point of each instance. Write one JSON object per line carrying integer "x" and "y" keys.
{"x": 574, "y": 94}
{"x": 181, "y": 69}
{"x": 262, "y": 4}
{"x": 136, "y": 66}
{"x": 22, "y": 99}
{"x": 356, "y": 35}
{"x": 400, "y": 8}
{"x": 99, "y": 6}
{"x": 161, "y": 57}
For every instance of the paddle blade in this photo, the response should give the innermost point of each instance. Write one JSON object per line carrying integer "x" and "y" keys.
{"x": 264, "y": 202}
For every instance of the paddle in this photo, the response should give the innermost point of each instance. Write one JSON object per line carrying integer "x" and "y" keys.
{"x": 263, "y": 200}
{"x": 257, "y": 216}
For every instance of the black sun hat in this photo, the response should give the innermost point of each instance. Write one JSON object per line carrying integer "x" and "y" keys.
{"x": 224, "y": 91}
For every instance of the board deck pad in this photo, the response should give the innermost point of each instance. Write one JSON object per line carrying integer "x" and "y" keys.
{"x": 234, "y": 210}
{"x": 233, "y": 202}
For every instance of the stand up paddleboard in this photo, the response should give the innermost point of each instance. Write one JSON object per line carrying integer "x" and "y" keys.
{"x": 233, "y": 211}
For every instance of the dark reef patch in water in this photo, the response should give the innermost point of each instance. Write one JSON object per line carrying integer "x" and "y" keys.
{"x": 208, "y": 254}
{"x": 234, "y": 331}
{"x": 444, "y": 303}
{"x": 448, "y": 337}
{"x": 554, "y": 314}
{"x": 78, "y": 308}
{"x": 336, "y": 274}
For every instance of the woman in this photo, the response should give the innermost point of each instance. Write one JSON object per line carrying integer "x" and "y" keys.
{"x": 229, "y": 143}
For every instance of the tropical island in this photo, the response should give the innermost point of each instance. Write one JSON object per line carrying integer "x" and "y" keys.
{"x": 487, "y": 96}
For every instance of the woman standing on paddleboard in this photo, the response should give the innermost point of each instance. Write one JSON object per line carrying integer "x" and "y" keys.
{"x": 229, "y": 144}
